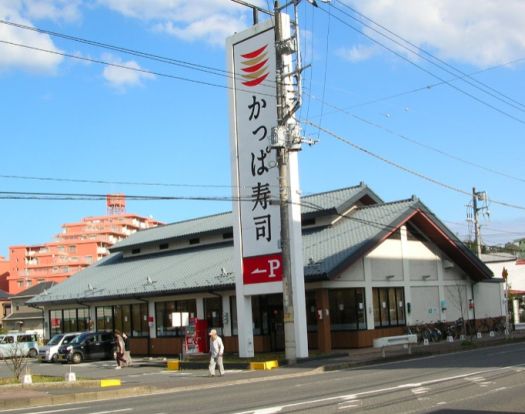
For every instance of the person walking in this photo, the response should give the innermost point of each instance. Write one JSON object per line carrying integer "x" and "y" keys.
{"x": 121, "y": 349}
{"x": 216, "y": 353}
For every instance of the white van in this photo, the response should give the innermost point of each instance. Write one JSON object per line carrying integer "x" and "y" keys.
{"x": 19, "y": 343}
{"x": 49, "y": 352}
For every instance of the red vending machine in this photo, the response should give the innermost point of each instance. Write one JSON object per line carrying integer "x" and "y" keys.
{"x": 196, "y": 340}
{"x": 201, "y": 333}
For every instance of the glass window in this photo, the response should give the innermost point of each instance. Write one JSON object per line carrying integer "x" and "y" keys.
{"x": 213, "y": 313}
{"x": 347, "y": 309}
{"x": 389, "y": 307}
{"x": 83, "y": 319}
{"x": 257, "y": 315}
{"x": 104, "y": 318}
{"x": 55, "y": 321}
{"x": 139, "y": 319}
{"x": 122, "y": 316}
{"x": 70, "y": 320}
{"x": 311, "y": 311}
{"x": 233, "y": 313}
{"x": 163, "y": 315}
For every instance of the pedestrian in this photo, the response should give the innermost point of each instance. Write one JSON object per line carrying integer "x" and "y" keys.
{"x": 216, "y": 353}
{"x": 121, "y": 349}
{"x": 127, "y": 354}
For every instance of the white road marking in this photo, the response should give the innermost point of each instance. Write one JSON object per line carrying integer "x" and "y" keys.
{"x": 472, "y": 376}
{"x": 50, "y": 411}
{"x": 420, "y": 390}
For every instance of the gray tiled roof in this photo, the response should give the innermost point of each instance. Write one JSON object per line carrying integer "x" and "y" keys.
{"x": 330, "y": 200}
{"x": 201, "y": 268}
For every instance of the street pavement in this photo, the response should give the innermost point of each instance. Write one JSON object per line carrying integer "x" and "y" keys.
{"x": 150, "y": 376}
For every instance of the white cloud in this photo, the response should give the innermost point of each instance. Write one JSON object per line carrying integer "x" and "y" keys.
{"x": 57, "y": 10}
{"x": 479, "y": 32}
{"x": 17, "y": 57}
{"x": 357, "y": 53}
{"x": 208, "y": 20}
{"x": 121, "y": 78}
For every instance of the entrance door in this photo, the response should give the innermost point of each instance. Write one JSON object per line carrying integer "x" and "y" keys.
{"x": 276, "y": 327}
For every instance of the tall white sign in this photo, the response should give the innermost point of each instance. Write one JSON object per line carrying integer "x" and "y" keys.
{"x": 255, "y": 178}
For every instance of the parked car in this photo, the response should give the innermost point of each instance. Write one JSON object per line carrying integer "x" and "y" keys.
{"x": 19, "y": 343}
{"x": 88, "y": 346}
{"x": 49, "y": 352}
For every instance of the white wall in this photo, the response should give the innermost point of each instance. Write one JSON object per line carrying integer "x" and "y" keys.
{"x": 425, "y": 304}
{"x": 489, "y": 300}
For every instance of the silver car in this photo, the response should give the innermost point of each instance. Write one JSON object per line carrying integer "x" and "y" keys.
{"x": 49, "y": 352}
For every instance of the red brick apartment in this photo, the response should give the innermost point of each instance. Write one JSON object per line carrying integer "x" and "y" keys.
{"x": 75, "y": 248}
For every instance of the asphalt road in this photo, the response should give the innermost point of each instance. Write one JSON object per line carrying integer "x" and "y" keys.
{"x": 487, "y": 380}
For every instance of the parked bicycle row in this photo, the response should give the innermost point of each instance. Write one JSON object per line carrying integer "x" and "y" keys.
{"x": 441, "y": 331}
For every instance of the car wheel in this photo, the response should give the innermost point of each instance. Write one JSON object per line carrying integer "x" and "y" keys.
{"x": 54, "y": 358}
{"x": 33, "y": 353}
{"x": 76, "y": 358}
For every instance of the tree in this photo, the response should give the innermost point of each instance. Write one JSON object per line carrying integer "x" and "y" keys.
{"x": 15, "y": 358}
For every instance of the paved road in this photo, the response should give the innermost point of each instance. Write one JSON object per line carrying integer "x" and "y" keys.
{"x": 484, "y": 380}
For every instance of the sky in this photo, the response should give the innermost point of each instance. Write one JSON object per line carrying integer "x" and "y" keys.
{"x": 414, "y": 97}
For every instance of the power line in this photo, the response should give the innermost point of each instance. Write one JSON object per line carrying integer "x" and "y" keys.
{"x": 398, "y": 54}
{"x": 423, "y": 145}
{"x": 91, "y": 181}
{"x": 506, "y": 99}
{"x": 408, "y": 170}
{"x": 151, "y": 56}
{"x": 429, "y": 86}
{"x": 120, "y": 66}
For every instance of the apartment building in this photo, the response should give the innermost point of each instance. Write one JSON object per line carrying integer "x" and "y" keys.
{"x": 76, "y": 247}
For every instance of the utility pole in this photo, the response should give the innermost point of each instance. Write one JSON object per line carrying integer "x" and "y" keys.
{"x": 284, "y": 196}
{"x": 478, "y": 196}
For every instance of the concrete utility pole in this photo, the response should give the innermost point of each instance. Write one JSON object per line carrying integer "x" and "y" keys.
{"x": 477, "y": 196}
{"x": 284, "y": 193}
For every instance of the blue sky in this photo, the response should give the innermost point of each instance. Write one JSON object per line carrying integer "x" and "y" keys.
{"x": 165, "y": 124}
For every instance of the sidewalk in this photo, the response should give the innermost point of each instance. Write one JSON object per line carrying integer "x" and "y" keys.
{"x": 140, "y": 380}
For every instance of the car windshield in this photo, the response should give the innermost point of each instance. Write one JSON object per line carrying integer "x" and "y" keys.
{"x": 78, "y": 339}
{"x": 55, "y": 340}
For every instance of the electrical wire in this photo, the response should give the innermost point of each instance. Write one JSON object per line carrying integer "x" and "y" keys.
{"x": 429, "y": 72}
{"x": 407, "y": 170}
{"x": 151, "y": 56}
{"x": 420, "y": 144}
{"x": 463, "y": 76}
{"x": 120, "y": 66}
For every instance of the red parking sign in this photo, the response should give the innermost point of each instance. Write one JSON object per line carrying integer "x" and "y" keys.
{"x": 262, "y": 269}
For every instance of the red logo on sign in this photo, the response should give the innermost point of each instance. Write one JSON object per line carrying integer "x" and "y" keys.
{"x": 262, "y": 269}
{"x": 256, "y": 68}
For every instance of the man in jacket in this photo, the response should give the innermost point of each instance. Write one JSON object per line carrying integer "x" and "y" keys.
{"x": 216, "y": 352}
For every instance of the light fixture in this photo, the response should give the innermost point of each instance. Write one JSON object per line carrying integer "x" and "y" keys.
{"x": 388, "y": 277}
{"x": 425, "y": 277}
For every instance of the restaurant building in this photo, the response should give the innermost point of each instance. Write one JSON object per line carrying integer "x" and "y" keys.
{"x": 371, "y": 268}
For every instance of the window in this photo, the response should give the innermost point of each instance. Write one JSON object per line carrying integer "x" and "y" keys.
{"x": 135, "y": 251}
{"x": 163, "y": 312}
{"x": 104, "y": 318}
{"x": 311, "y": 311}
{"x": 83, "y": 319}
{"x": 55, "y": 320}
{"x": 233, "y": 317}
{"x": 163, "y": 246}
{"x": 122, "y": 317}
{"x": 389, "y": 307}
{"x": 70, "y": 320}
{"x": 347, "y": 309}
{"x": 213, "y": 313}
{"x": 139, "y": 319}
{"x": 195, "y": 241}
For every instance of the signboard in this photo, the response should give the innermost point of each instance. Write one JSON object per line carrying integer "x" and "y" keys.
{"x": 257, "y": 192}
{"x": 180, "y": 319}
